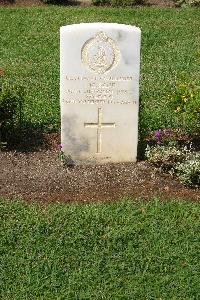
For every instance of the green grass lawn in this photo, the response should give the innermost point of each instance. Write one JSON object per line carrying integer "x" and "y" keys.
{"x": 122, "y": 250}
{"x": 30, "y": 55}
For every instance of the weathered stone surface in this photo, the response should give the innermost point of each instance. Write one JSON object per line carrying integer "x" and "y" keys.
{"x": 99, "y": 92}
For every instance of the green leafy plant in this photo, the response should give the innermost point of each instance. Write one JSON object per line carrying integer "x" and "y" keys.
{"x": 66, "y": 160}
{"x": 180, "y": 161}
{"x": 165, "y": 157}
{"x": 185, "y": 103}
{"x": 185, "y": 3}
{"x": 8, "y": 103}
{"x": 11, "y": 106}
{"x": 162, "y": 136}
{"x": 189, "y": 171}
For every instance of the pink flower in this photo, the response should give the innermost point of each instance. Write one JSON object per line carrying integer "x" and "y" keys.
{"x": 158, "y": 133}
{"x": 59, "y": 147}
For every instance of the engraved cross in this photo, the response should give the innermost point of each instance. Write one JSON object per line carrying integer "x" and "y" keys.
{"x": 99, "y": 125}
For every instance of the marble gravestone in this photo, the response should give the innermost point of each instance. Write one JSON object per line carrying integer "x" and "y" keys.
{"x": 99, "y": 92}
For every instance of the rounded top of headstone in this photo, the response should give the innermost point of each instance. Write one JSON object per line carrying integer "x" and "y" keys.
{"x": 99, "y": 25}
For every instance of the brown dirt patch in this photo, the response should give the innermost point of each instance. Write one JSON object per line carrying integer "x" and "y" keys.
{"x": 39, "y": 176}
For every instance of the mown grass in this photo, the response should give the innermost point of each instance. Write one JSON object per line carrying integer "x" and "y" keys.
{"x": 121, "y": 250}
{"x": 30, "y": 55}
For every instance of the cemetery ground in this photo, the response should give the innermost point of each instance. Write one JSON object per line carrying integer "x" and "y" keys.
{"x": 30, "y": 57}
{"x": 141, "y": 248}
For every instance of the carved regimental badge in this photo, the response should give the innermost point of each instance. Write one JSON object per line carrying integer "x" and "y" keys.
{"x": 101, "y": 53}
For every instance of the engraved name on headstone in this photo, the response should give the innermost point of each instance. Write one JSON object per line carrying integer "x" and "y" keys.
{"x": 99, "y": 91}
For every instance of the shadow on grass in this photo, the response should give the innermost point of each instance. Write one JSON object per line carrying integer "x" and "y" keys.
{"x": 141, "y": 150}
{"x": 30, "y": 138}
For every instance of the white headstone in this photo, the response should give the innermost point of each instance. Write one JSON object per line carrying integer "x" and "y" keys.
{"x": 99, "y": 91}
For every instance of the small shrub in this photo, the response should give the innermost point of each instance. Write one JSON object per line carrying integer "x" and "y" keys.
{"x": 66, "y": 160}
{"x": 8, "y": 103}
{"x": 118, "y": 2}
{"x": 182, "y": 3}
{"x": 185, "y": 103}
{"x": 181, "y": 162}
{"x": 11, "y": 101}
{"x": 161, "y": 136}
{"x": 165, "y": 157}
{"x": 189, "y": 171}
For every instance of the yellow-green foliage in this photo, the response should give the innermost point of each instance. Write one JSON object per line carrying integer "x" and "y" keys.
{"x": 185, "y": 103}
